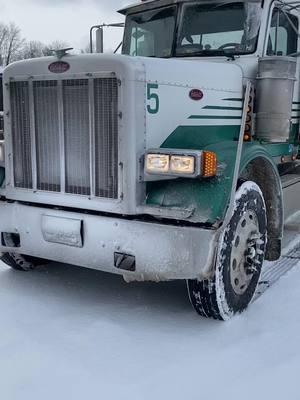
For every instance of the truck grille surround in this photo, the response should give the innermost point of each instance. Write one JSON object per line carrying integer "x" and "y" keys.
{"x": 65, "y": 136}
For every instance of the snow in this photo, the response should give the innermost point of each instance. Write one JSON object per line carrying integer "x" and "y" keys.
{"x": 71, "y": 333}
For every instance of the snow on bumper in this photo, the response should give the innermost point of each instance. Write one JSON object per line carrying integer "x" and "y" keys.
{"x": 161, "y": 252}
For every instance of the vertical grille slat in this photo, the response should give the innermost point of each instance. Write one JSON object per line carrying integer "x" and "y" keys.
{"x": 76, "y": 130}
{"x": 47, "y": 135}
{"x": 72, "y": 130}
{"x": 106, "y": 123}
{"x": 21, "y": 134}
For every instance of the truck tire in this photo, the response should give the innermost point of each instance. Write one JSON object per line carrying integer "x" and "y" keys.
{"x": 18, "y": 261}
{"x": 239, "y": 260}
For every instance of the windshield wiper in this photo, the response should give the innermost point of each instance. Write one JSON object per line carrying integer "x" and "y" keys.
{"x": 208, "y": 53}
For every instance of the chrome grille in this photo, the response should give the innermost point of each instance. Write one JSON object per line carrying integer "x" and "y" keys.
{"x": 65, "y": 136}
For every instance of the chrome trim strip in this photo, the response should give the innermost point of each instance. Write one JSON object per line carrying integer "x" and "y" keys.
{"x": 63, "y": 77}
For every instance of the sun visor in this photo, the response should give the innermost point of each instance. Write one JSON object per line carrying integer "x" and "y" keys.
{"x": 151, "y": 4}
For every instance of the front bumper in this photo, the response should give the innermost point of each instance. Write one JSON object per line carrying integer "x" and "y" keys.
{"x": 161, "y": 252}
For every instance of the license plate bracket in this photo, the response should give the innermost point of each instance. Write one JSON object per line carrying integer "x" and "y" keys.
{"x": 61, "y": 230}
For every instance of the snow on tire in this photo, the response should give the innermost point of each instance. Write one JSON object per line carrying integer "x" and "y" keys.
{"x": 239, "y": 260}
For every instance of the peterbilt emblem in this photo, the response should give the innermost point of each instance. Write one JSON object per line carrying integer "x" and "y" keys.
{"x": 196, "y": 94}
{"x": 59, "y": 67}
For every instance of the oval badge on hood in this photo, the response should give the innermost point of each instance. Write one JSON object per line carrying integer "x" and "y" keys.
{"x": 59, "y": 67}
{"x": 196, "y": 94}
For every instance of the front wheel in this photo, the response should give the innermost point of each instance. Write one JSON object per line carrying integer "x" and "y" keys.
{"x": 239, "y": 260}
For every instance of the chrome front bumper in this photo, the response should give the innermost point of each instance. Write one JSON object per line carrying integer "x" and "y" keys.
{"x": 160, "y": 251}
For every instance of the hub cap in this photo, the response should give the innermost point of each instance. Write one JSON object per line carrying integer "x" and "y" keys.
{"x": 245, "y": 252}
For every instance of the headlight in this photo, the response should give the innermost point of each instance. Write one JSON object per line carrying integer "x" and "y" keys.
{"x": 157, "y": 163}
{"x": 180, "y": 163}
{"x": 183, "y": 164}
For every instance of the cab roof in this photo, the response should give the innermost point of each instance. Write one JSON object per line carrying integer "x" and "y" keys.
{"x": 151, "y": 4}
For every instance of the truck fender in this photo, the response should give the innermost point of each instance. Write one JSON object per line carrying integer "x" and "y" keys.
{"x": 258, "y": 166}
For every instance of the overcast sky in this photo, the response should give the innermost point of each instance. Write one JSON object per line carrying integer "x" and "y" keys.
{"x": 68, "y": 20}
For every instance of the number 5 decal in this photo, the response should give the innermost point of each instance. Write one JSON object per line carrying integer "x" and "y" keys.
{"x": 153, "y": 99}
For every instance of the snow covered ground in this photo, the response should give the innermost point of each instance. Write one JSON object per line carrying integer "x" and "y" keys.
{"x": 69, "y": 333}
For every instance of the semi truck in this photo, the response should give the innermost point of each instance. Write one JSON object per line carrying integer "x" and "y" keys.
{"x": 175, "y": 160}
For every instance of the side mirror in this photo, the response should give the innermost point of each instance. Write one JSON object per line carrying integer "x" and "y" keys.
{"x": 99, "y": 40}
{"x": 100, "y": 36}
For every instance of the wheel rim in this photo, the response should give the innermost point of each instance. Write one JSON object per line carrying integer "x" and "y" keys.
{"x": 245, "y": 252}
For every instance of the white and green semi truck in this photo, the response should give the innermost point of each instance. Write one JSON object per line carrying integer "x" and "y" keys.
{"x": 177, "y": 159}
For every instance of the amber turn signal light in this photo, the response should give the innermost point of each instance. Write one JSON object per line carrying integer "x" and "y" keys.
{"x": 209, "y": 164}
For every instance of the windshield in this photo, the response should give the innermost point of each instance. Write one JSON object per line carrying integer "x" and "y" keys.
{"x": 151, "y": 33}
{"x": 218, "y": 29}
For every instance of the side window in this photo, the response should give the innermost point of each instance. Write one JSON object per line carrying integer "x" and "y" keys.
{"x": 150, "y": 33}
{"x": 283, "y": 36}
{"x": 142, "y": 42}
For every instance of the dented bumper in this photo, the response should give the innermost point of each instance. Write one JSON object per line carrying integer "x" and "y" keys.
{"x": 135, "y": 249}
